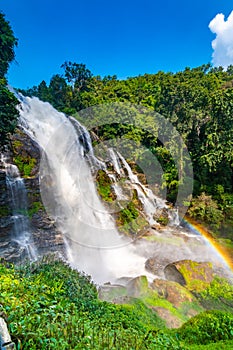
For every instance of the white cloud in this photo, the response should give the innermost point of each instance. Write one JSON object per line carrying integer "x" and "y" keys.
{"x": 223, "y": 43}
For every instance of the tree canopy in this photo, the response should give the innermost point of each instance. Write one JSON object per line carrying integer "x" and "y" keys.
{"x": 8, "y": 102}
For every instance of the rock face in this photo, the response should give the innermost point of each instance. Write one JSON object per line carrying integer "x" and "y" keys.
{"x": 5, "y": 338}
{"x": 195, "y": 276}
{"x": 25, "y": 154}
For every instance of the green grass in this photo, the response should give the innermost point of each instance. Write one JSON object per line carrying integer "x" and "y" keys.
{"x": 35, "y": 207}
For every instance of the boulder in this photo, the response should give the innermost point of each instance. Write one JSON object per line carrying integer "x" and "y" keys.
{"x": 195, "y": 276}
{"x": 114, "y": 293}
{"x": 137, "y": 286}
{"x": 156, "y": 265}
{"x": 173, "y": 292}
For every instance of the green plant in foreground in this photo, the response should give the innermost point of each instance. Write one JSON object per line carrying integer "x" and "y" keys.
{"x": 51, "y": 306}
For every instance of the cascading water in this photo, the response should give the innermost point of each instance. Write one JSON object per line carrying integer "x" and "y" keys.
{"x": 69, "y": 194}
{"x": 18, "y": 198}
{"x": 151, "y": 203}
{"x": 148, "y": 199}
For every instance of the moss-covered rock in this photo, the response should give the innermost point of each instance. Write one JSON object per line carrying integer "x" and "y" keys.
{"x": 137, "y": 286}
{"x": 173, "y": 292}
{"x": 26, "y": 154}
{"x": 195, "y": 276}
{"x": 161, "y": 216}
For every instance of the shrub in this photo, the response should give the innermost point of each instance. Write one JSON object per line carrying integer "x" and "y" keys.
{"x": 207, "y": 327}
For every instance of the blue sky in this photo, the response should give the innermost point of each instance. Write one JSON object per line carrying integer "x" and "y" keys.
{"x": 126, "y": 38}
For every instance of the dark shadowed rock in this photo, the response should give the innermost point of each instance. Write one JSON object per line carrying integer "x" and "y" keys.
{"x": 172, "y": 273}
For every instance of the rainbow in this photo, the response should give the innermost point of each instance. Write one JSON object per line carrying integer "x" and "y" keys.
{"x": 221, "y": 251}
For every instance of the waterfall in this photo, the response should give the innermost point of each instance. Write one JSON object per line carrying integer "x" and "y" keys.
{"x": 69, "y": 194}
{"x": 18, "y": 198}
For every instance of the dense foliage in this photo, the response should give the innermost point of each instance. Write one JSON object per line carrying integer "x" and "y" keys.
{"x": 49, "y": 306}
{"x": 8, "y": 102}
{"x": 208, "y": 326}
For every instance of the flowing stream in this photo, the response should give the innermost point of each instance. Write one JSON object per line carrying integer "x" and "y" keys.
{"x": 69, "y": 194}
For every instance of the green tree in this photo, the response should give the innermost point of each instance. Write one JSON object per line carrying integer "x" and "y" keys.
{"x": 204, "y": 208}
{"x": 8, "y": 112}
{"x": 43, "y": 92}
{"x": 7, "y": 44}
{"x": 59, "y": 92}
{"x": 77, "y": 74}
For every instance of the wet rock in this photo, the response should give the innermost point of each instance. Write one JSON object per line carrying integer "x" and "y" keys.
{"x": 156, "y": 265}
{"x": 114, "y": 293}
